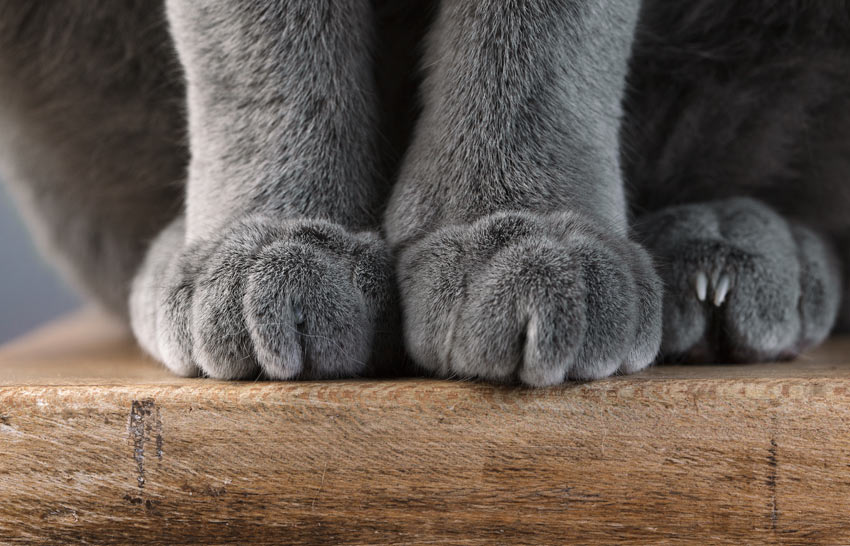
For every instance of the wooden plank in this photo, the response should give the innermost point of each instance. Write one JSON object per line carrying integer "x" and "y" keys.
{"x": 100, "y": 445}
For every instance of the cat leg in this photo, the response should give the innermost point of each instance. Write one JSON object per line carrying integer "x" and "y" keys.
{"x": 508, "y": 220}
{"x": 741, "y": 282}
{"x": 277, "y": 268}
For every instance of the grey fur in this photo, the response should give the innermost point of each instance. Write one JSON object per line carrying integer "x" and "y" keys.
{"x": 91, "y": 134}
{"x": 279, "y": 299}
{"x": 317, "y": 168}
{"x": 741, "y": 282}
{"x": 272, "y": 274}
{"x": 534, "y": 297}
{"x": 283, "y": 175}
{"x": 282, "y": 111}
{"x": 509, "y": 215}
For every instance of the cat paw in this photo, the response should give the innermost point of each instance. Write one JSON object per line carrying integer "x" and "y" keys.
{"x": 538, "y": 299}
{"x": 275, "y": 299}
{"x": 741, "y": 283}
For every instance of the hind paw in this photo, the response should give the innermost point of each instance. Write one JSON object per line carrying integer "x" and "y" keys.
{"x": 741, "y": 283}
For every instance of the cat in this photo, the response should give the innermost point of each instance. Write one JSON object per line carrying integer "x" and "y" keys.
{"x": 526, "y": 191}
{"x": 736, "y": 149}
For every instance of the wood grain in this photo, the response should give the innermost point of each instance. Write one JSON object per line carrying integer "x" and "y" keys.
{"x": 100, "y": 445}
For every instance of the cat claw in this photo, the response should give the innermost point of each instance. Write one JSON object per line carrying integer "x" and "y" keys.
{"x": 701, "y": 286}
{"x": 719, "y": 283}
{"x": 721, "y": 290}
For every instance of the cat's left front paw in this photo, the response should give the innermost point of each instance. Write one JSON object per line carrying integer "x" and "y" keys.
{"x": 534, "y": 298}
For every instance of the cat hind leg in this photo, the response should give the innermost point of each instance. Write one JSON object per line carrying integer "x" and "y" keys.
{"x": 741, "y": 282}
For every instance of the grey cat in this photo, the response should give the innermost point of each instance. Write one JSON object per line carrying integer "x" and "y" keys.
{"x": 287, "y": 188}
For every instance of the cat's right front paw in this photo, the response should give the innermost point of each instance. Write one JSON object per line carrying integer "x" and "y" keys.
{"x": 266, "y": 298}
{"x": 534, "y": 298}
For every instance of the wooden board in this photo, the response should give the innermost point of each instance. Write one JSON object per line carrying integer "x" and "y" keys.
{"x": 100, "y": 445}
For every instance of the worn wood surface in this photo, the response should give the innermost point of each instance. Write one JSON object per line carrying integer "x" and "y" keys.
{"x": 100, "y": 445}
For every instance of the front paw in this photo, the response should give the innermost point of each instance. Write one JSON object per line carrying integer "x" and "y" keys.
{"x": 534, "y": 298}
{"x": 741, "y": 283}
{"x": 267, "y": 298}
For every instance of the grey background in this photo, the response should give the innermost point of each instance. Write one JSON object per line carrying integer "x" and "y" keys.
{"x": 30, "y": 291}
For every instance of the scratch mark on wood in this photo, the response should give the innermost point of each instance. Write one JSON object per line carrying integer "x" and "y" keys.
{"x": 158, "y": 430}
{"x": 64, "y": 514}
{"x": 771, "y": 482}
{"x": 133, "y": 500}
{"x": 208, "y": 490}
{"x": 137, "y": 434}
{"x": 141, "y": 428}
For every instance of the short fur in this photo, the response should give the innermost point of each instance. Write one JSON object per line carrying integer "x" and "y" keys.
{"x": 285, "y": 188}
{"x": 733, "y": 99}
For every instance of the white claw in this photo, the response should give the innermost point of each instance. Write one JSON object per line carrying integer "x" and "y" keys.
{"x": 702, "y": 286}
{"x": 721, "y": 290}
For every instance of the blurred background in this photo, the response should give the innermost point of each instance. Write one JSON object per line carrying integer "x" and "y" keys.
{"x": 31, "y": 293}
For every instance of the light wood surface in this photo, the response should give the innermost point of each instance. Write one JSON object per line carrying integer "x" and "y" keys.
{"x": 100, "y": 445}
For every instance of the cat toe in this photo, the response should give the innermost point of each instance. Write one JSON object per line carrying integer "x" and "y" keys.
{"x": 160, "y": 297}
{"x": 304, "y": 316}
